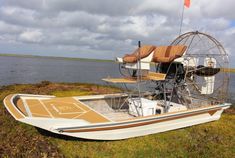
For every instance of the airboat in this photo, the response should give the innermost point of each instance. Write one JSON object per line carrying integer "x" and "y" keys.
{"x": 166, "y": 88}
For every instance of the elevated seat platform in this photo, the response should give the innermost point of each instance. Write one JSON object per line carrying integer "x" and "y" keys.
{"x": 139, "y": 53}
{"x": 160, "y": 54}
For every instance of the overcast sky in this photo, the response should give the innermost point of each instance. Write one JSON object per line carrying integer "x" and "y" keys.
{"x": 107, "y": 28}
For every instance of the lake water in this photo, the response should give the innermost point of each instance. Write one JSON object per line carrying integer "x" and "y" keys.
{"x": 33, "y": 70}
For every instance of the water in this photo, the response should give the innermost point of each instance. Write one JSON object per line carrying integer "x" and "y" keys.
{"x": 33, "y": 70}
{"x": 232, "y": 87}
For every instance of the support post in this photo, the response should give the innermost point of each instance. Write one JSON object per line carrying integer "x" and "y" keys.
{"x": 139, "y": 78}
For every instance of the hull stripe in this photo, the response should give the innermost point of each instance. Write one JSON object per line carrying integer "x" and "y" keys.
{"x": 138, "y": 124}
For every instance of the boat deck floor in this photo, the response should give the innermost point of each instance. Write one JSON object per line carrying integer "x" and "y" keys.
{"x": 66, "y": 107}
{"x": 109, "y": 112}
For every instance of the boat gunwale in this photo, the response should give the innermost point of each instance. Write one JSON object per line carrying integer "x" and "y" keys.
{"x": 121, "y": 122}
{"x": 145, "y": 120}
{"x": 17, "y": 96}
{"x": 13, "y": 105}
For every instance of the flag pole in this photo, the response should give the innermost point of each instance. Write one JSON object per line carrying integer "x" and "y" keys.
{"x": 182, "y": 18}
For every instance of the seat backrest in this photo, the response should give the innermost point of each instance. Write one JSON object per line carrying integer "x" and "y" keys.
{"x": 143, "y": 51}
{"x": 167, "y": 54}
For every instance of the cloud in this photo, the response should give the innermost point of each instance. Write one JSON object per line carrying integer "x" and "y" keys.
{"x": 108, "y": 28}
{"x": 17, "y": 16}
{"x": 218, "y": 8}
{"x": 6, "y": 28}
{"x": 32, "y": 36}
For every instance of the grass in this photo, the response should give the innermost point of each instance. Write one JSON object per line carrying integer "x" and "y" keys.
{"x": 215, "y": 139}
{"x": 70, "y": 93}
{"x": 206, "y": 140}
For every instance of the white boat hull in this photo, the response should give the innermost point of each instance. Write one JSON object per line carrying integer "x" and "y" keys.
{"x": 118, "y": 134}
{"x": 116, "y": 130}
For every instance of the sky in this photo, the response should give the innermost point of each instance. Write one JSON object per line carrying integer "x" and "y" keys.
{"x": 104, "y": 29}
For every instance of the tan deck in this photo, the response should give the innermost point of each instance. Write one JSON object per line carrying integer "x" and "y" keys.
{"x": 63, "y": 108}
{"x": 67, "y": 107}
{"x": 151, "y": 76}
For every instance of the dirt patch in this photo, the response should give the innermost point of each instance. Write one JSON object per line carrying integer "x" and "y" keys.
{"x": 20, "y": 140}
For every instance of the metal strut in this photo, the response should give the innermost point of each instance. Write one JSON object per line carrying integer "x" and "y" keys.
{"x": 139, "y": 76}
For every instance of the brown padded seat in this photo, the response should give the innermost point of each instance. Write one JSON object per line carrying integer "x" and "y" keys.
{"x": 166, "y": 54}
{"x": 144, "y": 50}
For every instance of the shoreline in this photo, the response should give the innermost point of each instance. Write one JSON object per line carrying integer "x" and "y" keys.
{"x": 54, "y": 57}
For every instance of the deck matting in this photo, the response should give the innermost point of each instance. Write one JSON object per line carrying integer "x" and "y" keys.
{"x": 63, "y": 108}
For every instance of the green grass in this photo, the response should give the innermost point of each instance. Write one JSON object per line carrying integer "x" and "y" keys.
{"x": 206, "y": 140}
{"x": 70, "y": 93}
{"x": 215, "y": 139}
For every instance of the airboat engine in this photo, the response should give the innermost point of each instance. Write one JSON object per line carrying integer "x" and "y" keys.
{"x": 208, "y": 88}
{"x": 204, "y": 62}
